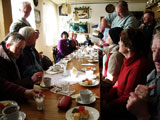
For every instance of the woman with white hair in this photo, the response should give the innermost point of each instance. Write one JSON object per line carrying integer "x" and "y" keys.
{"x": 29, "y": 63}
{"x": 24, "y": 12}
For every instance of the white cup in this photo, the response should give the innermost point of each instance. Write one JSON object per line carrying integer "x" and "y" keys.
{"x": 39, "y": 102}
{"x": 85, "y": 95}
{"x": 47, "y": 81}
{"x": 10, "y": 112}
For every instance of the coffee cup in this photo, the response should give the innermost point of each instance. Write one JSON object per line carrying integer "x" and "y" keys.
{"x": 85, "y": 95}
{"x": 10, "y": 112}
{"x": 47, "y": 81}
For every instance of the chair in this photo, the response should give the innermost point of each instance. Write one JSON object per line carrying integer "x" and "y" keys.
{"x": 56, "y": 55}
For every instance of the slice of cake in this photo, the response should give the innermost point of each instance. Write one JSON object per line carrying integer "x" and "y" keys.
{"x": 84, "y": 115}
{"x": 76, "y": 116}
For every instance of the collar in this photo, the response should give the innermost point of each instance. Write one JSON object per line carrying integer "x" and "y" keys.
{"x": 130, "y": 60}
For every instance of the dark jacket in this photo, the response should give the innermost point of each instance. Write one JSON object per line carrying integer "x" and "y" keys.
{"x": 16, "y": 26}
{"x": 9, "y": 80}
{"x": 26, "y": 62}
{"x": 87, "y": 42}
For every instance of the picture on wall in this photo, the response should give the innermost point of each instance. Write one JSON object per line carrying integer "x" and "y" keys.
{"x": 60, "y": 11}
{"x": 81, "y": 27}
{"x": 37, "y": 16}
{"x": 83, "y": 13}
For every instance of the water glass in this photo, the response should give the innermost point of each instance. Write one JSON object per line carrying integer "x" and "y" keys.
{"x": 39, "y": 102}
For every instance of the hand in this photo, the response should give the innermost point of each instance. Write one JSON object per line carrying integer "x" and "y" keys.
{"x": 30, "y": 94}
{"x": 143, "y": 91}
{"x": 37, "y": 77}
{"x": 135, "y": 102}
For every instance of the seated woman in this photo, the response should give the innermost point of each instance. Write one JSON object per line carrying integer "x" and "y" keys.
{"x": 64, "y": 46}
{"x": 87, "y": 42}
{"x": 113, "y": 59}
{"x": 73, "y": 41}
{"x": 133, "y": 72}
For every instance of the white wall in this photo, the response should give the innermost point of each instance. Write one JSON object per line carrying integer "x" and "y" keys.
{"x": 98, "y": 10}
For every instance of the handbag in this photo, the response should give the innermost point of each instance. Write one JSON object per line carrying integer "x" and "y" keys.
{"x": 64, "y": 102}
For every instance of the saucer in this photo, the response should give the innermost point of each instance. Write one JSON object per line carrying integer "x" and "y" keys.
{"x": 22, "y": 116}
{"x": 43, "y": 85}
{"x": 92, "y": 100}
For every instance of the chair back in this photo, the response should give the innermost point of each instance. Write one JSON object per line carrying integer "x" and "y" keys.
{"x": 56, "y": 55}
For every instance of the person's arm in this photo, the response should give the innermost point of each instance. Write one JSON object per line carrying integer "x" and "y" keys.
{"x": 10, "y": 90}
{"x": 61, "y": 48}
{"x": 114, "y": 67}
{"x": 103, "y": 25}
{"x": 138, "y": 107}
{"x": 134, "y": 77}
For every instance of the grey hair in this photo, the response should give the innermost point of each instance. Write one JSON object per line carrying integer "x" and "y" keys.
{"x": 26, "y": 31}
{"x": 14, "y": 37}
{"x": 156, "y": 35}
{"x": 23, "y": 4}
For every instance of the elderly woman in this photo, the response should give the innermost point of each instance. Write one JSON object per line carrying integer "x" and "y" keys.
{"x": 29, "y": 63}
{"x": 133, "y": 72}
{"x": 64, "y": 46}
{"x": 112, "y": 59}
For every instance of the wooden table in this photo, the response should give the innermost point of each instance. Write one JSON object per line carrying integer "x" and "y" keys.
{"x": 51, "y": 112}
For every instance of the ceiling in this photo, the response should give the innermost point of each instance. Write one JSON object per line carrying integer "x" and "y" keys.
{"x": 94, "y": 1}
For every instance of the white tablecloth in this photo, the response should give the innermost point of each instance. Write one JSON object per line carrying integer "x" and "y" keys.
{"x": 58, "y": 79}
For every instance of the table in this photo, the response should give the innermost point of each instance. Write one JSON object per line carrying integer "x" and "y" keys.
{"x": 51, "y": 112}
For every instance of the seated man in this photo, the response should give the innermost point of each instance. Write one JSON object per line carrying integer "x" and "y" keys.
{"x": 144, "y": 102}
{"x": 87, "y": 42}
{"x": 10, "y": 77}
{"x": 29, "y": 63}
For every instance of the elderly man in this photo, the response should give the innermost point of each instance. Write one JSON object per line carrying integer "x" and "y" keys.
{"x": 29, "y": 63}
{"x": 144, "y": 102}
{"x": 24, "y": 11}
{"x": 121, "y": 18}
{"x": 10, "y": 77}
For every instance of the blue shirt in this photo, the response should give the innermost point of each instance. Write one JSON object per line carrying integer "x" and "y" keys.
{"x": 125, "y": 22}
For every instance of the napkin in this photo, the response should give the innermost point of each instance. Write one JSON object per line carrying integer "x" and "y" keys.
{"x": 58, "y": 90}
{"x": 76, "y": 95}
{"x": 89, "y": 64}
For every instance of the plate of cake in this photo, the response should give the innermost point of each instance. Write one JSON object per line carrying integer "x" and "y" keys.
{"x": 89, "y": 83}
{"x": 82, "y": 113}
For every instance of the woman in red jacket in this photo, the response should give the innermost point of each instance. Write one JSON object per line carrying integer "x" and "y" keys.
{"x": 133, "y": 72}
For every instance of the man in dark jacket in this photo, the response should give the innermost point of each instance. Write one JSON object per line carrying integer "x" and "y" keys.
{"x": 29, "y": 63}
{"x": 10, "y": 77}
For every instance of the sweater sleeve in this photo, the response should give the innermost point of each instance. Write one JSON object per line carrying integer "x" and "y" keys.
{"x": 12, "y": 91}
{"x": 114, "y": 66}
{"x": 136, "y": 76}
{"x": 61, "y": 48}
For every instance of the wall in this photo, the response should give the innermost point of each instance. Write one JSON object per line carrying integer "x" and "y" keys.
{"x": 2, "y": 31}
{"x": 47, "y": 32}
{"x": 5, "y": 17}
{"x": 98, "y": 10}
